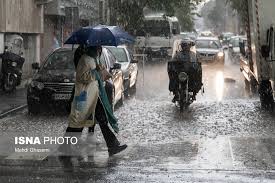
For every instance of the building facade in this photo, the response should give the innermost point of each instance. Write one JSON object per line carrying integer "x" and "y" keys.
{"x": 23, "y": 18}
{"x": 46, "y": 24}
{"x": 62, "y": 17}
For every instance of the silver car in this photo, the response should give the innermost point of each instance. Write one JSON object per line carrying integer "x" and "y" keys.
{"x": 209, "y": 50}
{"x": 129, "y": 66}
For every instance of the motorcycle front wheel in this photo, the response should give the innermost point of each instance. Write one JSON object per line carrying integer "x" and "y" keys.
{"x": 9, "y": 84}
{"x": 182, "y": 101}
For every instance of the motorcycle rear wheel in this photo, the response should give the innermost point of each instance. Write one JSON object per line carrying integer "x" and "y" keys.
{"x": 9, "y": 84}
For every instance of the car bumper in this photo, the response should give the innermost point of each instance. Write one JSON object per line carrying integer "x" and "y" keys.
{"x": 48, "y": 98}
{"x": 214, "y": 60}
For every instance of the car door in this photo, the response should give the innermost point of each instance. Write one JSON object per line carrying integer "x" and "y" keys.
{"x": 117, "y": 75}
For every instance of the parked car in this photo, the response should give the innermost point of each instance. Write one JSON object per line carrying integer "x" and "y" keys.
{"x": 128, "y": 66}
{"x": 209, "y": 50}
{"x": 234, "y": 48}
{"x": 53, "y": 83}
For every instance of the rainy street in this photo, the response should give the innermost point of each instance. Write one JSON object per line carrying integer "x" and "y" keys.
{"x": 224, "y": 136}
{"x": 158, "y": 91}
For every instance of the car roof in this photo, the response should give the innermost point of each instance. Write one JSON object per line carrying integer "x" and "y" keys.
{"x": 120, "y": 46}
{"x": 207, "y": 38}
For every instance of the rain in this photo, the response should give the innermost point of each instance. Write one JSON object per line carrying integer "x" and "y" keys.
{"x": 222, "y": 132}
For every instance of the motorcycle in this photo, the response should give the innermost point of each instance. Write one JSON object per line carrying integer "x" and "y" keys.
{"x": 185, "y": 73}
{"x": 11, "y": 71}
{"x": 187, "y": 79}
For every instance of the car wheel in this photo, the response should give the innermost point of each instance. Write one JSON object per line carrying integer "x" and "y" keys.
{"x": 247, "y": 86}
{"x": 9, "y": 85}
{"x": 134, "y": 87}
{"x": 126, "y": 88}
{"x": 266, "y": 95}
{"x": 121, "y": 101}
{"x": 33, "y": 109}
{"x": 251, "y": 87}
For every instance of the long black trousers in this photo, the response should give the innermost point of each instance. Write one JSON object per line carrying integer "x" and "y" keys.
{"x": 109, "y": 136}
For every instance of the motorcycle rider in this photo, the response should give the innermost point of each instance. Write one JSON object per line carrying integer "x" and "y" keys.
{"x": 183, "y": 52}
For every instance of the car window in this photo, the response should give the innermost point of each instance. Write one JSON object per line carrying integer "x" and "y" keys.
{"x": 60, "y": 60}
{"x": 103, "y": 59}
{"x": 213, "y": 44}
{"x": 131, "y": 54}
{"x": 119, "y": 53}
{"x": 111, "y": 58}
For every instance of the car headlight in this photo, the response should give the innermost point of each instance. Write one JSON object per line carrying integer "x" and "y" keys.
{"x": 183, "y": 76}
{"x": 14, "y": 64}
{"x": 220, "y": 54}
{"x": 35, "y": 84}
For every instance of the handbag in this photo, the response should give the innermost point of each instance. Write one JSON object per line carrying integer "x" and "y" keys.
{"x": 104, "y": 73}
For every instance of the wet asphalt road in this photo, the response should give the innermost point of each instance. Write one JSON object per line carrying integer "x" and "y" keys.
{"x": 223, "y": 137}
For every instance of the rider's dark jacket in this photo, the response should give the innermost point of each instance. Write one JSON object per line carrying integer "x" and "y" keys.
{"x": 193, "y": 69}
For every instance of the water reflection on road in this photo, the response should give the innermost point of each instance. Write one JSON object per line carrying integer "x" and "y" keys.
{"x": 220, "y": 82}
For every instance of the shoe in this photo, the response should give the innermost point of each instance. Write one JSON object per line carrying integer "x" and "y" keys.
{"x": 116, "y": 150}
{"x": 175, "y": 99}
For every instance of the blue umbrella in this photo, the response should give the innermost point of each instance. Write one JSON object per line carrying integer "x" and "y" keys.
{"x": 121, "y": 36}
{"x": 100, "y": 35}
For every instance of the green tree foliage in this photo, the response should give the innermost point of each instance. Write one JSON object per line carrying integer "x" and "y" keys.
{"x": 130, "y": 12}
{"x": 240, "y": 6}
{"x": 186, "y": 13}
{"x": 216, "y": 15}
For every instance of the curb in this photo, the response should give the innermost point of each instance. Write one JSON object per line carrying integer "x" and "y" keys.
{"x": 14, "y": 110}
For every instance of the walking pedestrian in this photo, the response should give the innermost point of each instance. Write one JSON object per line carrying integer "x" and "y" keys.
{"x": 90, "y": 101}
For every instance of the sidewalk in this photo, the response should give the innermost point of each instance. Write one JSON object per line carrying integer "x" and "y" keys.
{"x": 194, "y": 159}
{"x": 12, "y": 101}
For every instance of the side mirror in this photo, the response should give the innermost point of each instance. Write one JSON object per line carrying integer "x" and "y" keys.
{"x": 35, "y": 66}
{"x": 265, "y": 50}
{"x": 117, "y": 66}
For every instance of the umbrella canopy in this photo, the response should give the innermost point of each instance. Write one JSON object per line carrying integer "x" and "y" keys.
{"x": 100, "y": 35}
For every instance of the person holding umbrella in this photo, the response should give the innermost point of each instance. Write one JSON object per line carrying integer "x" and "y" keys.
{"x": 90, "y": 100}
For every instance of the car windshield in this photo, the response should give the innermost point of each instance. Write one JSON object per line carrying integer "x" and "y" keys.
{"x": 212, "y": 44}
{"x": 119, "y": 53}
{"x": 60, "y": 60}
{"x": 157, "y": 27}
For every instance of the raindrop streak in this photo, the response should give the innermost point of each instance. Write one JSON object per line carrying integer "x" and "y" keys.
{"x": 219, "y": 85}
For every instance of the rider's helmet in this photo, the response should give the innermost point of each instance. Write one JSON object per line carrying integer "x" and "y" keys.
{"x": 186, "y": 44}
